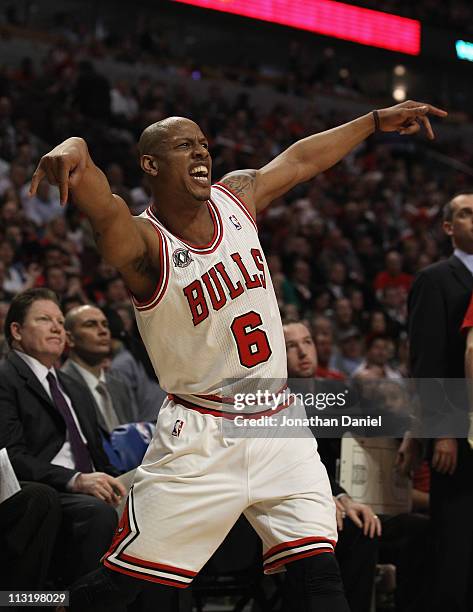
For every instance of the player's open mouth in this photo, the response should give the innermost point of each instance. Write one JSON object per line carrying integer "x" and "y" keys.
{"x": 200, "y": 174}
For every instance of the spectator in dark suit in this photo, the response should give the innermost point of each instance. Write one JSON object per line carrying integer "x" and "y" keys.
{"x": 437, "y": 305}
{"x": 30, "y": 522}
{"x": 51, "y": 431}
{"x": 358, "y": 526}
{"x": 89, "y": 341}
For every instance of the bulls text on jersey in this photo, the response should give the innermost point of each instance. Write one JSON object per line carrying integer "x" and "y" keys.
{"x": 212, "y": 281}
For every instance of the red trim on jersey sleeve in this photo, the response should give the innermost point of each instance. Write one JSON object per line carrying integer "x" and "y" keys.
{"x": 224, "y": 189}
{"x": 161, "y": 287}
{"x": 468, "y": 320}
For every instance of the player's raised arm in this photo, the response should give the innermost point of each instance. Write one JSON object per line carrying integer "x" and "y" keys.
{"x": 314, "y": 154}
{"x": 120, "y": 238}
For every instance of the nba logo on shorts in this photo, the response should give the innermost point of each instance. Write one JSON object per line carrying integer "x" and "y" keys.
{"x": 178, "y": 425}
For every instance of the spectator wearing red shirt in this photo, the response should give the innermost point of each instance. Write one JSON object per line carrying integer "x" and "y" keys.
{"x": 324, "y": 346}
{"x": 393, "y": 276}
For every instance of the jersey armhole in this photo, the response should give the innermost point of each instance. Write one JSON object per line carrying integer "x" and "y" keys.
{"x": 162, "y": 284}
{"x": 224, "y": 189}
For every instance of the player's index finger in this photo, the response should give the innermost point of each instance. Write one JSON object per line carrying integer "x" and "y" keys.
{"x": 37, "y": 177}
{"x": 436, "y": 111}
{"x": 63, "y": 182}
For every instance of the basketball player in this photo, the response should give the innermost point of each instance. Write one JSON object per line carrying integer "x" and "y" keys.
{"x": 207, "y": 312}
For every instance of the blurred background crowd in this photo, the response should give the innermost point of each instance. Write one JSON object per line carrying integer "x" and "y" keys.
{"x": 342, "y": 250}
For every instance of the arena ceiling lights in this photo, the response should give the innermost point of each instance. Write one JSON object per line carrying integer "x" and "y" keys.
{"x": 329, "y": 18}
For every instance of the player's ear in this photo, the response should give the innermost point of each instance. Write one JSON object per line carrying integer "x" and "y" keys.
{"x": 149, "y": 164}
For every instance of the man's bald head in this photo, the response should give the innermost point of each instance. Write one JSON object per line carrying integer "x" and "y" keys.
{"x": 158, "y": 132}
{"x": 77, "y": 313}
{"x": 88, "y": 335}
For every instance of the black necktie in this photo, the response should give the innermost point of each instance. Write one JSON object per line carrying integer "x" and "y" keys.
{"x": 79, "y": 449}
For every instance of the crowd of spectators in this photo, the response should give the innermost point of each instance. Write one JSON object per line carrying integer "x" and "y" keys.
{"x": 180, "y": 43}
{"x": 345, "y": 246}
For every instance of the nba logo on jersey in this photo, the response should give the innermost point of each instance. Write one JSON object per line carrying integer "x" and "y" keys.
{"x": 235, "y": 222}
{"x": 178, "y": 425}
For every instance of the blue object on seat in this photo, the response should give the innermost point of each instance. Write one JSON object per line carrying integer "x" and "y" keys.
{"x": 112, "y": 455}
{"x": 129, "y": 442}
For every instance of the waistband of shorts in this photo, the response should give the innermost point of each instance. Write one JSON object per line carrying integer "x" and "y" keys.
{"x": 224, "y": 407}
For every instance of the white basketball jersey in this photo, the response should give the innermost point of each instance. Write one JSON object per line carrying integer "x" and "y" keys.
{"x": 214, "y": 316}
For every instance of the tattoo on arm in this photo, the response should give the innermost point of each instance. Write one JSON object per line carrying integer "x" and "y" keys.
{"x": 242, "y": 183}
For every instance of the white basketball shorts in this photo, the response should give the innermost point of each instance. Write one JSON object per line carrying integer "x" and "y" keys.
{"x": 193, "y": 485}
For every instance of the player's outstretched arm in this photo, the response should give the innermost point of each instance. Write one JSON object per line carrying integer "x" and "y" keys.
{"x": 310, "y": 156}
{"x": 121, "y": 239}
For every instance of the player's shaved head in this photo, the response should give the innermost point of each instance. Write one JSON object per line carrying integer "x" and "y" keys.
{"x": 157, "y": 133}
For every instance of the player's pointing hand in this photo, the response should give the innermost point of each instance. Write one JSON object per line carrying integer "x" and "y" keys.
{"x": 63, "y": 166}
{"x": 408, "y": 117}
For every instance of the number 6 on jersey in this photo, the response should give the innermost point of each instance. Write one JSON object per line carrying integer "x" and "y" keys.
{"x": 252, "y": 343}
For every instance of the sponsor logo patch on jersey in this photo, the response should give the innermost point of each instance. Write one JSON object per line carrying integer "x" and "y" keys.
{"x": 235, "y": 222}
{"x": 178, "y": 425}
{"x": 181, "y": 258}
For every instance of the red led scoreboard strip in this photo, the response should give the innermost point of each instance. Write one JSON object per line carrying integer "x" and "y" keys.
{"x": 330, "y": 18}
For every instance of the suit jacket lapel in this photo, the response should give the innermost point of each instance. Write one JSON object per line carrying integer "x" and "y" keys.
{"x": 461, "y": 272}
{"x": 70, "y": 369}
{"x": 117, "y": 398}
{"x": 31, "y": 379}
